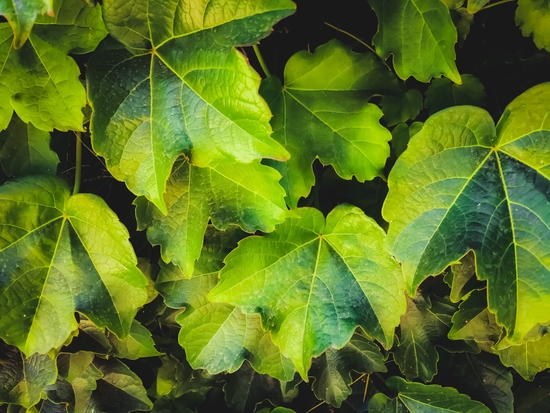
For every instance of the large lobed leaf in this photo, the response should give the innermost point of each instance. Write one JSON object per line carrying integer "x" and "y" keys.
{"x": 322, "y": 111}
{"x": 463, "y": 185}
{"x": 314, "y": 281}
{"x": 60, "y": 254}
{"x": 533, "y": 16}
{"x": 421, "y": 36}
{"x": 39, "y": 81}
{"x": 175, "y": 84}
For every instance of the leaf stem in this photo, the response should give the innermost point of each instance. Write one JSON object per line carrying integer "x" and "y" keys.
{"x": 261, "y": 60}
{"x": 495, "y": 4}
{"x": 78, "y": 168}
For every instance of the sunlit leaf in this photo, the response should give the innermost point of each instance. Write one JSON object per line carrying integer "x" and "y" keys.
{"x": 60, "y": 254}
{"x": 461, "y": 278}
{"x": 476, "y": 5}
{"x": 21, "y": 16}
{"x": 314, "y": 282}
{"x": 463, "y": 185}
{"x": 137, "y": 344}
{"x": 533, "y": 16}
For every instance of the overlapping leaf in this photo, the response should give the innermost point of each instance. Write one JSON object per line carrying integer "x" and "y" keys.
{"x": 462, "y": 185}
{"x": 177, "y": 85}
{"x": 224, "y": 193}
{"x": 60, "y": 254}
{"x": 420, "y": 398}
{"x": 25, "y": 150}
{"x": 322, "y": 111}
{"x": 314, "y": 282}
{"x": 23, "y": 379}
{"x": 533, "y": 16}
{"x": 21, "y": 16}
{"x": 442, "y": 93}
{"x": 421, "y": 36}
{"x": 39, "y": 81}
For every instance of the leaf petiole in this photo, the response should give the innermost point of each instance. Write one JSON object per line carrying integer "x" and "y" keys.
{"x": 78, "y": 167}
{"x": 496, "y": 4}
{"x": 261, "y": 60}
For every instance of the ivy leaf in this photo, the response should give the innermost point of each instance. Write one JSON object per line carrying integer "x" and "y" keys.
{"x": 474, "y": 321}
{"x": 89, "y": 338}
{"x": 179, "y": 86}
{"x": 401, "y": 107}
{"x": 529, "y": 357}
{"x": 322, "y": 111}
{"x": 421, "y": 36}
{"x": 424, "y": 325}
{"x": 533, "y": 397}
{"x": 462, "y": 185}
{"x": 419, "y": 398}
{"x": 482, "y": 377}
{"x": 461, "y": 278}
{"x": 246, "y": 388}
{"x": 533, "y": 16}
{"x": 22, "y": 379}
{"x": 60, "y": 254}
{"x": 332, "y": 370}
{"x": 224, "y": 193}
{"x": 39, "y": 81}
{"x": 314, "y": 282}
{"x": 21, "y": 16}
{"x": 137, "y": 344}
{"x": 442, "y": 93}
{"x": 402, "y": 134}
{"x": 25, "y": 150}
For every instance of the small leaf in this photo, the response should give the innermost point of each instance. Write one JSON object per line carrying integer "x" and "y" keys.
{"x": 476, "y": 5}
{"x": 137, "y": 344}
{"x": 21, "y": 16}
{"x": 533, "y": 16}
{"x": 25, "y": 150}
{"x": 421, "y": 36}
{"x": 442, "y": 93}
{"x": 482, "y": 377}
{"x": 332, "y": 370}
{"x": 463, "y": 185}
{"x": 224, "y": 193}
{"x": 39, "y": 81}
{"x": 322, "y": 111}
{"x": 314, "y": 282}
{"x": 462, "y": 278}
{"x": 401, "y": 107}
{"x": 402, "y": 134}
{"x": 529, "y": 357}
{"x": 60, "y": 254}
{"x": 89, "y": 338}
{"x": 22, "y": 379}
{"x": 420, "y": 398}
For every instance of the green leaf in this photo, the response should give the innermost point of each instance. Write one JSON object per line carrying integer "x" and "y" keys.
{"x": 322, "y": 111}
{"x": 39, "y": 81}
{"x": 463, "y": 21}
{"x": 89, "y": 338}
{"x": 529, "y": 357}
{"x": 332, "y": 370}
{"x": 137, "y": 344}
{"x": 179, "y": 86}
{"x": 474, "y": 321}
{"x": 533, "y": 16}
{"x": 402, "y": 134}
{"x": 461, "y": 278}
{"x": 476, "y": 5}
{"x": 421, "y": 36}
{"x": 442, "y": 93}
{"x": 462, "y": 185}
{"x": 482, "y": 377}
{"x": 533, "y": 397}
{"x": 22, "y": 379}
{"x": 420, "y": 398}
{"x": 248, "y": 195}
{"x": 21, "y": 16}
{"x": 25, "y": 150}
{"x": 401, "y": 107}
{"x": 315, "y": 282}
{"x": 425, "y": 324}
{"x": 60, "y": 254}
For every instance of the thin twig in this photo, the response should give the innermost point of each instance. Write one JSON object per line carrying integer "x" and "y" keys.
{"x": 261, "y": 60}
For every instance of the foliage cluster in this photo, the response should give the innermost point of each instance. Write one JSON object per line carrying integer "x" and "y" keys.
{"x": 352, "y": 233}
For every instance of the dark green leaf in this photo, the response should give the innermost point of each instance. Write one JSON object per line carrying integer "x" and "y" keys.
{"x": 401, "y": 107}
{"x": 60, "y": 254}
{"x": 314, "y": 282}
{"x": 534, "y": 397}
{"x": 442, "y": 93}
{"x": 402, "y": 134}
{"x": 462, "y": 185}
{"x": 332, "y": 370}
{"x": 322, "y": 111}
{"x": 421, "y": 36}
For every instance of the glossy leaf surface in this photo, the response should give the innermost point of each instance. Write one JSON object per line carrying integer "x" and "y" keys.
{"x": 314, "y": 282}
{"x": 177, "y": 85}
{"x": 420, "y": 398}
{"x": 224, "y": 193}
{"x": 533, "y": 16}
{"x": 463, "y": 185}
{"x": 39, "y": 81}
{"x": 322, "y": 111}
{"x": 60, "y": 254}
{"x": 421, "y": 36}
